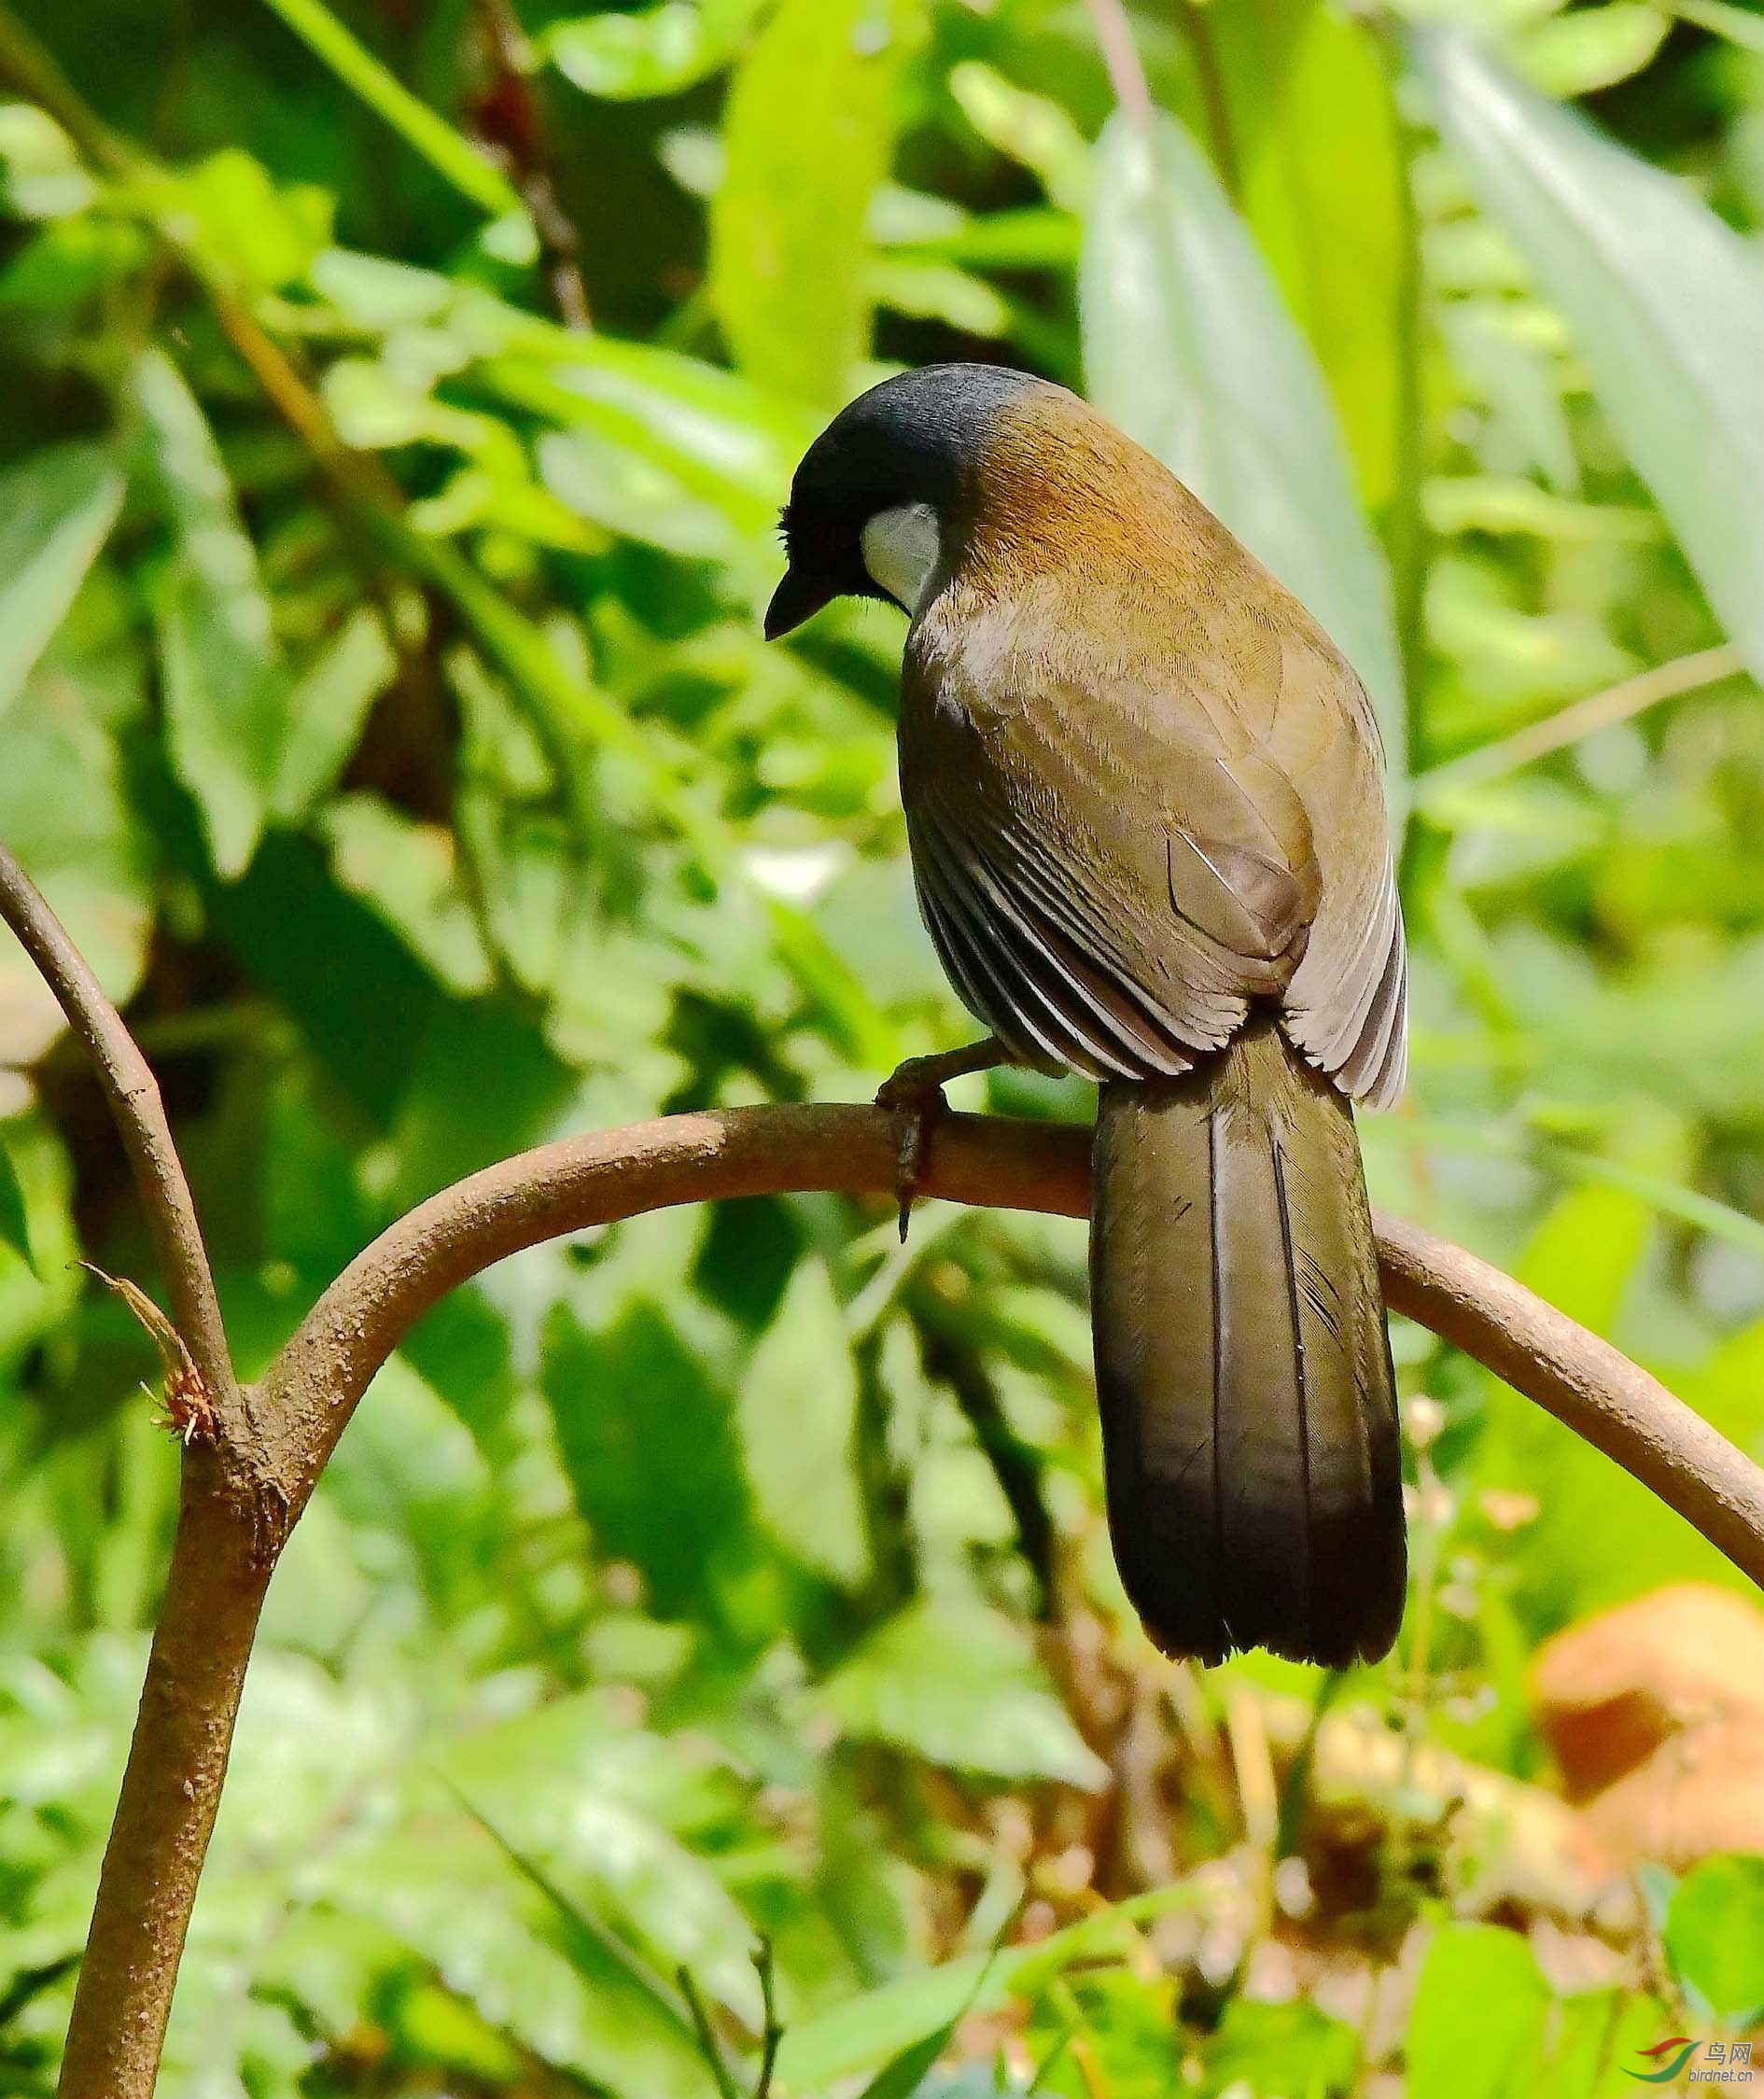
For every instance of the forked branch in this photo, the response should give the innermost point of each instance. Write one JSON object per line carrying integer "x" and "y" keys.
{"x": 988, "y": 1161}
{"x": 282, "y": 1434}
{"x": 139, "y": 1114}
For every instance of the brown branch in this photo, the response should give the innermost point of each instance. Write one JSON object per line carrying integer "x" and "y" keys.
{"x": 139, "y": 1112}
{"x": 315, "y": 1383}
{"x": 220, "y": 1568}
{"x": 1121, "y": 57}
{"x": 1209, "y": 79}
{"x": 510, "y": 120}
{"x": 589, "y": 1180}
{"x": 228, "y": 1542}
{"x": 1584, "y": 718}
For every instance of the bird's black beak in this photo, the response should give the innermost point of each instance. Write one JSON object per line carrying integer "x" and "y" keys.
{"x": 797, "y": 598}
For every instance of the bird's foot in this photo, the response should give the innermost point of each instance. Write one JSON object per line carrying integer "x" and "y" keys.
{"x": 914, "y": 1097}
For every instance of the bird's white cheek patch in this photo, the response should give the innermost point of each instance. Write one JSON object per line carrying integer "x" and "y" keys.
{"x": 901, "y": 548}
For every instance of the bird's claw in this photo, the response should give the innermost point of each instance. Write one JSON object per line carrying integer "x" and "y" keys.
{"x": 913, "y": 1097}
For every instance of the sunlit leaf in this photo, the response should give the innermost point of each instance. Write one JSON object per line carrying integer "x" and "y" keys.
{"x": 409, "y": 873}
{"x": 1295, "y": 78}
{"x": 1577, "y": 53}
{"x": 658, "y": 50}
{"x": 56, "y": 510}
{"x": 1031, "y": 128}
{"x": 798, "y": 1410}
{"x": 1188, "y": 348}
{"x": 325, "y": 711}
{"x": 1282, "y": 2048}
{"x": 885, "y": 2023}
{"x": 960, "y": 1686}
{"x": 1666, "y": 303}
{"x": 1715, "y": 1936}
{"x": 86, "y": 848}
{"x": 452, "y": 157}
{"x": 808, "y": 134}
{"x": 1478, "y": 2028}
{"x": 225, "y": 686}
{"x": 257, "y": 233}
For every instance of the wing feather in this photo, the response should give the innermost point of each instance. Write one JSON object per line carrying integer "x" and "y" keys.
{"x": 1111, "y": 879}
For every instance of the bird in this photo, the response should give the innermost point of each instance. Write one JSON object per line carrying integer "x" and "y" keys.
{"x": 1145, "y": 805}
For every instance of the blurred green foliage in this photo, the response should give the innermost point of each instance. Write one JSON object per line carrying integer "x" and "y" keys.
{"x": 382, "y": 707}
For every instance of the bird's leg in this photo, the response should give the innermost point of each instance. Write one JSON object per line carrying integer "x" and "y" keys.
{"x": 914, "y": 1097}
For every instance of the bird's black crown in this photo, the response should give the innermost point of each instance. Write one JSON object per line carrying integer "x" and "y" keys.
{"x": 913, "y": 438}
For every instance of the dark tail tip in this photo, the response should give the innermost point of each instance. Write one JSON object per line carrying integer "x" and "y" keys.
{"x": 1243, "y": 1367}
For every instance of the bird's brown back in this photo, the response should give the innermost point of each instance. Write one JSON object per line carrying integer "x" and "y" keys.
{"x": 1112, "y": 698}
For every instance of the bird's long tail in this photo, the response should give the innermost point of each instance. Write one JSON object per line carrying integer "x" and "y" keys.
{"x": 1243, "y": 1367}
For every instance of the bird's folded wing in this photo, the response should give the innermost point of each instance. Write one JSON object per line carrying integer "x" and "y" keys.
{"x": 1107, "y": 902}
{"x": 1109, "y": 886}
{"x": 1346, "y": 1005}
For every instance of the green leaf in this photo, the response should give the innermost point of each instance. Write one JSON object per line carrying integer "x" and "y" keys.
{"x": 1591, "y": 48}
{"x": 15, "y": 1223}
{"x": 588, "y": 1805}
{"x": 960, "y": 1686}
{"x": 326, "y": 712}
{"x": 1594, "y": 2030}
{"x": 224, "y": 681}
{"x": 1296, "y": 78}
{"x": 64, "y": 815}
{"x": 1600, "y": 1534}
{"x": 1031, "y": 129}
{"x": 1189, "y": 349}
{"x": 901, "y": 2077}
{"x": 885, "y": 2023}
{"x": 1291, "y": 2050}
{"x": 571, "y": 1996}
{"x": 407, "y": 872}
{"x": 41, "y": 174}
{"x": 798, "y": 1410}
{"x": 659, "y": 51}
{"x": 1721, "y": 19}
{"x": 808, "y": 134}
{"x": 256, "y": 233}
{"x": 1478, "y": 2028}
{"x": 613, "y": 484}
{"x": 56, "y": 510}
{"x": 453, "y": 158}
{"x": 1666, "y": 303}
{"x": 648, "y": 1443}
{"x": 1715, "y": 1936}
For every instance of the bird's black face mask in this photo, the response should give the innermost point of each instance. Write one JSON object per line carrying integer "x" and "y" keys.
{"x": 910, "y": 441}
{"x": 824, "y": 563}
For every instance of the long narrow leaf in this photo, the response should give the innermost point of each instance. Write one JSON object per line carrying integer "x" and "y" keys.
{"x": 1665, "y": 301}
{"x": 453, "y": 158}
{"x": 879, "y": 2027}
{"x": 56, "y": 510}
{"x": 809, "y": 132}
{"x": 1188, "y": 347}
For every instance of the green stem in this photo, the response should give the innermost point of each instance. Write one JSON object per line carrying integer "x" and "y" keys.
{"x": 1211, "y": 76}
{"x": 705, "y": 2034}
{"x": 453, "y": 158}
{"x": 1411, "y": 546}
{"x": 26, "y": 66}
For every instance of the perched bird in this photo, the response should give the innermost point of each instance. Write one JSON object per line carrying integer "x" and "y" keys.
{"x": 1144, "y": 799}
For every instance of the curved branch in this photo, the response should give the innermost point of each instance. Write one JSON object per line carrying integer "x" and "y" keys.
{"x": 178, "y": 1760}
{"x": 590, "y": 1181}
{"x": 139, "y": 1112}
